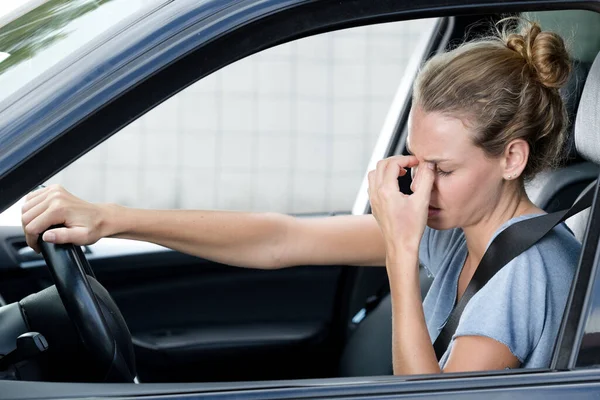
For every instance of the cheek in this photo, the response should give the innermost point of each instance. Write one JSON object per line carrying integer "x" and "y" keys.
{"x": 454, "y": 191}
{"x": 466, "y": 191}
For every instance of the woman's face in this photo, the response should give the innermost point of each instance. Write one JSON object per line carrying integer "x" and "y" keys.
{"x": 467, "y": 184}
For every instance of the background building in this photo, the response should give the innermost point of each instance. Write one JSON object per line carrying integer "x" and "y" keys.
{"x": 290, "y": 129}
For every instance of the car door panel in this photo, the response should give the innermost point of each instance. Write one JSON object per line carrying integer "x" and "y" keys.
{"x": 219, "y": 319}
{"x": 192, "y": 319}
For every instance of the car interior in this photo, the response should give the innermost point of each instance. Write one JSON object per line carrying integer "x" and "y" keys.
{"x": 177, "y": 318}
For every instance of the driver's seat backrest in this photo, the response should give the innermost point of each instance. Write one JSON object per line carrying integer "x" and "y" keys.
{"x": 587, "y": 135}
{"x": 587, "y": 122}
{"x": 556, "y": 190}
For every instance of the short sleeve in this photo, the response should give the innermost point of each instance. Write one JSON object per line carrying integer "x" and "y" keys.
{"x": 435, "y": 246}
{"x": 424, "y": 256}
{"x": 511, "y": 307}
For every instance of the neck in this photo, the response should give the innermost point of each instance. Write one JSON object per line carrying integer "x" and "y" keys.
{"x": 512, "y": 203}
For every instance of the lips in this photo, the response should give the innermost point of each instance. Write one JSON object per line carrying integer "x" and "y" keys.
{"x": 433, "y": 211}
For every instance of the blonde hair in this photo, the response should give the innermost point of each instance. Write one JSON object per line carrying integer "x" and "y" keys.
{"x": 503, "y": 87}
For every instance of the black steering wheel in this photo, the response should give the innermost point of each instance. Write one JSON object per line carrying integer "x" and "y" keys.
{"x": 94, "y": 314}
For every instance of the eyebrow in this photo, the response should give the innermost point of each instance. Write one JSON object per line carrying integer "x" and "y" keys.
{"x": 433, "y": 160}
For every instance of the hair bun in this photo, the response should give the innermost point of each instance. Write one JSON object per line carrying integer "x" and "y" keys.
{"x": 545, "y": 52}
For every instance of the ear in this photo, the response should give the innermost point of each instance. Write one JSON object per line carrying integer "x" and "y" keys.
{"x": 516, "y": 155}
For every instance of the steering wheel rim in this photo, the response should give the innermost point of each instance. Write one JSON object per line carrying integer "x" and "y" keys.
{"x": 68, "y": 267}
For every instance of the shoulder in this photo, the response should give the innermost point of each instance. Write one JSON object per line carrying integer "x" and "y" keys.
{"x": 526, "y": 296}
{"x": 556, "y": 254}
{"x": 550, "y": 261}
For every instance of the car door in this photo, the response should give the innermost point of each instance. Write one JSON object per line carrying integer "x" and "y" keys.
{"x": 290, "y": 130}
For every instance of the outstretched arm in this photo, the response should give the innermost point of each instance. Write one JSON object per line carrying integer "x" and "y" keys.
{"x": 256, "y": 240}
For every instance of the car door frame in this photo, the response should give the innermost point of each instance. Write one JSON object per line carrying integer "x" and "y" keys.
{"x": 109, "y": 98}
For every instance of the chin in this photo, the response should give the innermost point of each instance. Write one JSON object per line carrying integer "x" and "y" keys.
{"x": 439, "y": 224}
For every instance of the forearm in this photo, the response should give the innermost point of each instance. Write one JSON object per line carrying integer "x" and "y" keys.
{"x": 233, "y": 238}
{"x": 411, "y": 345}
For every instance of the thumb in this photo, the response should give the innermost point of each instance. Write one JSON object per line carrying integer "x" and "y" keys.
{"x": 65, "y": 235}
{"x": 425, "y": 178}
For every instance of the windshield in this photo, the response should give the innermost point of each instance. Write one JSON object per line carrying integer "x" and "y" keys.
{"x": 37, "y": 34}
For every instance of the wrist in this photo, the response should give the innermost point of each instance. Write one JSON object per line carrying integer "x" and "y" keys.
{"x": 400, "y": 250}
{"x": 402, "y": 266}
{"x": 111, "y": 220}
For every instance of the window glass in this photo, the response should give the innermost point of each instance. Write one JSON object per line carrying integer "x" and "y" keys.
{"x": 290, "y": 129}
{"x": 578, "y": 27}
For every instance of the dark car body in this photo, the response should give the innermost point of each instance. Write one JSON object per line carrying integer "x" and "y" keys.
{"x": 89, "y": 96}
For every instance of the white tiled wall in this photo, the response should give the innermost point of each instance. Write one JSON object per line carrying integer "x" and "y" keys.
{"x": 290, "y": 129}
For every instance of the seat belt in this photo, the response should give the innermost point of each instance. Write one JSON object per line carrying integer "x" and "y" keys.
{"x": 507, "y": 245}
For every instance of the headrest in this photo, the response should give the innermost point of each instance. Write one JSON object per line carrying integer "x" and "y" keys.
{"x": 571, "y": 94}
{"x": 587, "y": 122}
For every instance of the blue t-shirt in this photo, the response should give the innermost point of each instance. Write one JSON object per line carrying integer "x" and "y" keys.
{"x": 521, "y": 306}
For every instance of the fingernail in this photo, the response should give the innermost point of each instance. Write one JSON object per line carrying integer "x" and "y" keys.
{"x": 430, "y": 165}
{"x": 49, "y": 237}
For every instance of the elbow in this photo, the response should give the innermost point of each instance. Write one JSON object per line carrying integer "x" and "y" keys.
{"x": 279, "y": 243}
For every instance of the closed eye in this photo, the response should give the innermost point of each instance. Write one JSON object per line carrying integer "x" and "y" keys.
{"x": 443, "y": 173}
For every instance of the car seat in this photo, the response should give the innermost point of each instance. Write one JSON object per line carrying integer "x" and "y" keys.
{"x": 557, "y": 189}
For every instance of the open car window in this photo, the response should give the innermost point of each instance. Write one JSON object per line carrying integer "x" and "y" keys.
{"x": 289, "y": 129}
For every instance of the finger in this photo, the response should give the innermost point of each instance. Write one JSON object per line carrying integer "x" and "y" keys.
{"x": 408, "y": 161}
{"x": 371, "y": 179}
{"x": 396, "y": 166}
{"x": 29, "y": 204}
{"x": 34, "y": 210}
{"x": 379, "y": 171}
{"x": 413, "y": 178}
{"x": 416, "y": 176}
{"x": 36, "y": 192}
{"x": 77, "y": 236}
{"x": 405, "y": 161}
{"x": 424, "y": 182}
{"x": 40, "y": 195}
{"x": 393, "y": 171}
{"x": 44, "y": 221}
{"x": 32, "y": 242}
{"x": 402, "y": 161}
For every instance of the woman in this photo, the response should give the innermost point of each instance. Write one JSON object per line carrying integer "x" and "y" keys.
{"x": 486, "y": 117}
